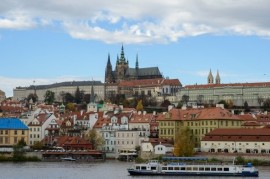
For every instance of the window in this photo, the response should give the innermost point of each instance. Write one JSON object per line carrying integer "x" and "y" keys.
{"x": 1, "y": 132}
{"x": 1, "y": 140}
{"x": 23, "y": 132}
{"x": 6, "y": 132}
{"x": 15, "y": 140}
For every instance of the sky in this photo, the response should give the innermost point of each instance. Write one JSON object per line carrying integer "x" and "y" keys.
{"x": 44, "y": 42}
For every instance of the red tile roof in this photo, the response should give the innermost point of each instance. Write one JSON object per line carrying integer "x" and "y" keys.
{"x": 262, "y": 134}
{"x": 150, "y": 82}
{"x": 199, "y": 114}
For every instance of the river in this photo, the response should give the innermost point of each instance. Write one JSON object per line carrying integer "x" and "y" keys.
{"x": 74, "y": 170}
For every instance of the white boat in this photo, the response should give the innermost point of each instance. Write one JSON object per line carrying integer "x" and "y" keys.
{"x": 68, "y": 159}
{"x": 154, "y": 167}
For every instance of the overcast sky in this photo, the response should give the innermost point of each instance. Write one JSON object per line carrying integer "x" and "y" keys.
{"x": 54, "y": 41}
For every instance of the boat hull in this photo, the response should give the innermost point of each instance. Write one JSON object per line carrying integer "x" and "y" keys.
{"x": 151, "y": 173}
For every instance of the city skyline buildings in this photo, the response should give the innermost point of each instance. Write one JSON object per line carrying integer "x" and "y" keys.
{"x": 184, "y": 40}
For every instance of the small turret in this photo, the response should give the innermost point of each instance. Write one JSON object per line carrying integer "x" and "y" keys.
{"x": 218, "y": 78}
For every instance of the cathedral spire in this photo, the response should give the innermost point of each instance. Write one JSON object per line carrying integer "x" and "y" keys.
{"x": 210, "y": 78}
{"x": 217, "y": 78}
{"x": 92, "y": 95}
{"x": 122, "y": 57}
{"x": 109, "y": 61}
{"x": 137, "y": 62}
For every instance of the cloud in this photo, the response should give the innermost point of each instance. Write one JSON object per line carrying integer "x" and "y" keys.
{"x": 7, "y": 84}
{"x": 152, "y": 21}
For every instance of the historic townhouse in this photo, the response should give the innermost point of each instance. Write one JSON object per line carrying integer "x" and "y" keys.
{"x": 200, "y": 121}
{"x": 237, "y": 141}
{"x": 12, "y": 130}
{"x": 2, "y": 96}
{"x": 141, "y": 122}
{"x": 38, "y": 126}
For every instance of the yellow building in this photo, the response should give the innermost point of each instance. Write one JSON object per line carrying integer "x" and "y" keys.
{"x": 12, "y": 130}
{"x": 200, "y": 121}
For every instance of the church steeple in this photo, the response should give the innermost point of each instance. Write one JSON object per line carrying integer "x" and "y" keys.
{"x": 108, "y": 71}
{"x": 122, "y": 56}
{"x": 137, "y": 62}
{"x": 92, "y": 95}
{"x": 217, "y": 78}
{"x": 210, "y": 78}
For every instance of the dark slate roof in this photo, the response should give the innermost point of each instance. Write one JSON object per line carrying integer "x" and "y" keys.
{"x": 151, "y": 71}
{"x": 12, "y": 123}
{"x": 67, "y": 83}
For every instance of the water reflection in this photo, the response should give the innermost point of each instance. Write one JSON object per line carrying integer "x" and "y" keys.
{"x": 71, "y": 170}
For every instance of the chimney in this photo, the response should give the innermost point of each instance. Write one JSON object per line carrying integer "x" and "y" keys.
{"x": 154, "y": 113}
{"x": 81, "y": 112}
{"x": 144, "y": 112}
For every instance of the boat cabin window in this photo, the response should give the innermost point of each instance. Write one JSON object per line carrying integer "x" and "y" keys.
{"x": 207, "y": 168}
{"x": 195, "y": 168}
{"x": 201, "y": 169}
{"x": 188, "y": 168}
{"x": 137, "y": 167}
{"x": 164, "y": 168}
{"x": 183, "y": 168}
{"x": 143, "y": 168}
{"x": 170, "y": 168}
{"x": 226, "y": 169}
{"x": 176, "y": 168}
{"x": 213, "y": 169}
{"x": 219, "y": 169}
{"x": 153, "y": 168}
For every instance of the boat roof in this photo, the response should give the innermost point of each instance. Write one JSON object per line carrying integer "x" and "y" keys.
{"x": 185, "y": 158}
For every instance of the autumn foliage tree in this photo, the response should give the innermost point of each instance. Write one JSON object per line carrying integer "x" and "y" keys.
{"x": 95, "y": 139}
{"x": 184, "y": 143}
{"x": 139, "y": 106}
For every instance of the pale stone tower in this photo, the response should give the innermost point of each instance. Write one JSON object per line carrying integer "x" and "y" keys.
{"x": 217, "y": 78}
{"x": 210, "y": 79}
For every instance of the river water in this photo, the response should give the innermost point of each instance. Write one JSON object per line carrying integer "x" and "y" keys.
{"x": 74, "y": 170}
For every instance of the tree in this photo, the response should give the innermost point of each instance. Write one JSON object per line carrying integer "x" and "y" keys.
{"x": 165, "y": 103}
{"x": 246, "y": 107}
{"x": 179, "y": 105}
{"x": 18, "y": 151}
{"x": 185, "y": 99}
{"x": 184, "y": 143}
{"x": 95, "y": 139}
{"x": 139, "y": 106}
{"x": 32, "y": 96}
{"x": 78, "y": 97}
{"x": 224, "y": 103}
{"x": 200, "y": 99}
{"x": 260, "y": 100}
{"x": 49, "y": 97}
{"x": 70, "y": 106}
{"x": 69, "y": 98}
{"x": 266, "y": 104}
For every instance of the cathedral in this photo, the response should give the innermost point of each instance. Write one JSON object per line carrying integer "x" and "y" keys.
{"x": 210, "y": 78}
{"x": 124, "y": 72}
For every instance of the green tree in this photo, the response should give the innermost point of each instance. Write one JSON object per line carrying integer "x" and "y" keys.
{"x": 185, "y": 99}
{"x": 179, "y": 105}
{"x": 266, "y": 104}
{"x": 200, "y": 99}
{"x": 18, "y": 151}
{"x": 95, "y": 139}
{"x": 78, "y": 97}
{"x": 139, "y": 106}
{"x": 246, "y": 107}
{"x": 224, "y": 103}
{"x": 260, "y": 100}
{"x": 165, "y": 103}
{"x": 49, "y": 97}
{"x": 68, "y": 98}
{"x": 184, "y": 143}
{"x": 32, "y": 96}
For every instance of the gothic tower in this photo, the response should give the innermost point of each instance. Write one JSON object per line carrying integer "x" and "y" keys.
{"x": 121, "y": 66}
{"x": 137, "y": 66}
{"x": 210, "y": 79}
{"x": 217, "y": 78}
{"x": 108, "y": 72}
